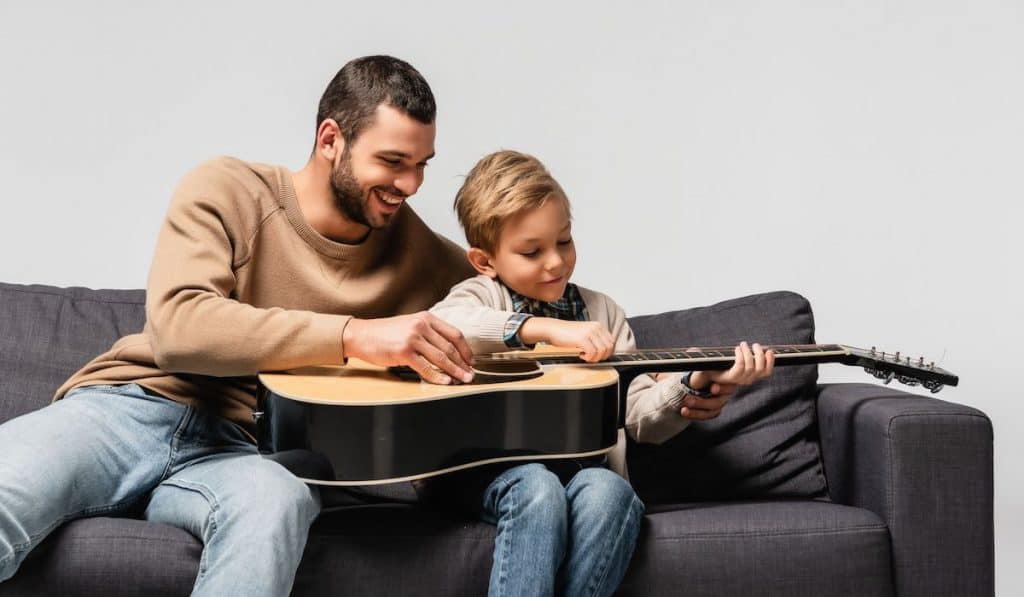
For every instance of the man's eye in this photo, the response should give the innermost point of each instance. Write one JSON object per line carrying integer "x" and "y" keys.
{"x": 391, "y": 162}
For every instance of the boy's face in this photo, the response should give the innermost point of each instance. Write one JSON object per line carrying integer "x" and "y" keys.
{"x": 535, "y": 255}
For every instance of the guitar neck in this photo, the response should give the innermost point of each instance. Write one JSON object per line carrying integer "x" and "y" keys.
{"x": 682, "y": 360}
{"x": 718, "y": 358}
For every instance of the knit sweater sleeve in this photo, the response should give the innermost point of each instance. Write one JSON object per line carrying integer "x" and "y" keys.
{"x": 193, "y": 322}
{"x": 652, "y": 408}
{"x": 479, "y": 307}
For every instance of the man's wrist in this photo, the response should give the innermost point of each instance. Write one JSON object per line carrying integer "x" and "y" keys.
{"x": 350, "y": 339}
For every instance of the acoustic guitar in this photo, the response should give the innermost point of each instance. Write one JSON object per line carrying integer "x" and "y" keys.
{"x": 361, "y": 424}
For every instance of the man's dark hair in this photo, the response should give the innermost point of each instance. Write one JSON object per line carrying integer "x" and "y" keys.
{"x": 352, "y": 96}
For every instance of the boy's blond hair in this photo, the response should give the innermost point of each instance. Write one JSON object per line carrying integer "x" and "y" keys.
{"x": 500, "y": 186}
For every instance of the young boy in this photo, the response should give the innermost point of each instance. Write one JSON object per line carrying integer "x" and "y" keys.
{"x": 575, "y": 539}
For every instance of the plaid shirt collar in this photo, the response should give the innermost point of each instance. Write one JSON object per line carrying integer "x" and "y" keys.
{"x": 570, "y": 307}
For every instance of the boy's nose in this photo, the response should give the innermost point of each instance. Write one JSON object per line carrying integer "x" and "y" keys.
{"x": 554, "y": 263}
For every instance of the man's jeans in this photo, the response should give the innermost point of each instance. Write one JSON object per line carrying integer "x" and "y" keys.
{"x": 576, "y": 539}
{"x": 106, "y": 450}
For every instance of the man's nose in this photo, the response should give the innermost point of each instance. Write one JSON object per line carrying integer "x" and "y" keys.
{"x": 409, "y": 182}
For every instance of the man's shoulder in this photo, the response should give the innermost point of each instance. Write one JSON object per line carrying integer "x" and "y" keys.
{"x": 445, "y": 252}
{"x": 226, "y": 175}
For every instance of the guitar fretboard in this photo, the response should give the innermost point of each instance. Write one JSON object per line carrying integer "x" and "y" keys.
{"x": 706, "y": 354}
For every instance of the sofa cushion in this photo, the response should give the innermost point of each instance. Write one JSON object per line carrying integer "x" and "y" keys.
{"x": 794, "y": 547}
{"x": 48, "y": 333}
{"x": 765, "y": 442}
{"x": 114, "y": 557}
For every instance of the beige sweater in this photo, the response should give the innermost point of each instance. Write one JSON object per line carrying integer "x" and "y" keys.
{"x": 480, "y": 306}
{"x": 240, "y": 284}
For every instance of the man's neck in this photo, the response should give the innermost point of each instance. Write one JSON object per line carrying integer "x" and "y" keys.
{"x": 316, "y": 201}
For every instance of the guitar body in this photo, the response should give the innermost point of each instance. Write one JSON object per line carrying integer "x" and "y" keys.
{"x": 362, "y": 425}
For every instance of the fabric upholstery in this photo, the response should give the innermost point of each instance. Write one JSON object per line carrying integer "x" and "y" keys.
{"x": 925, "y": 466}
{"x": 884, "y": 453}
{"x": 48, "y": 333}
{"x": 765, "y": 442}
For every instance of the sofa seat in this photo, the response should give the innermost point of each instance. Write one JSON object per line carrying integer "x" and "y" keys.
{"x": 798, "y": 547}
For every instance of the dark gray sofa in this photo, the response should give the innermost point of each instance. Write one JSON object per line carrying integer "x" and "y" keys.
{"x": 797, "y": 489}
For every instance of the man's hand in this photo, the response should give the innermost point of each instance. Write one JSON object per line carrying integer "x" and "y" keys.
{"x": 752, "y": 363}
{"x": 433, "y": 348}
{"x": 593, "y": 339}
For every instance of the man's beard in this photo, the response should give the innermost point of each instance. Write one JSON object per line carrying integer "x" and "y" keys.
{"x": 348, "y": 195}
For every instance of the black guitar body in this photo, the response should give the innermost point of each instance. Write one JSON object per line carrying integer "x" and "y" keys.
{"x": 364, "y": 445}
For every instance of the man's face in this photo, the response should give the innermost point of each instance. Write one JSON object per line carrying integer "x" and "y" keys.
{"x": 382, "y": 167}
{"x": 536, "y": 255}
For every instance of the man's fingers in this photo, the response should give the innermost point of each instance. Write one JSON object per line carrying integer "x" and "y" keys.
{"x": 439, "y": 359}
{"x": 428, "y": 372}
{"x": 454, "y": 336}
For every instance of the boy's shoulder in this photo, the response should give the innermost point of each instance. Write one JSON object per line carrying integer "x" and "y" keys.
{"x": 597, "y": 299}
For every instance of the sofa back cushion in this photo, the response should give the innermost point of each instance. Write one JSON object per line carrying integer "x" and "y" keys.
{"x": 765, "y": 442}
{"x": 48, "y": 333}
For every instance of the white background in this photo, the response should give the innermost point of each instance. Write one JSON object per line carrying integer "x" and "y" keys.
{"x": 867, "y": 155}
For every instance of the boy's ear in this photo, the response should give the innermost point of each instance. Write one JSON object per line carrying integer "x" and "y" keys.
{"x": 481, "y": 262}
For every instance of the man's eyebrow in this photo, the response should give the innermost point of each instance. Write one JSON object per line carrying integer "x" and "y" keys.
{"x": 401, "y": 154}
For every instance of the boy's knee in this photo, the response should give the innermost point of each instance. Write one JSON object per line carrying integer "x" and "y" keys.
{"x": 604, "y": 487}
{"x": 535, "y": 486}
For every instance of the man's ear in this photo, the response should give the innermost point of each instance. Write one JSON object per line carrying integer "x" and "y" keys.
{"x": 330, "y": 143}
{"x": 481, "y": 262}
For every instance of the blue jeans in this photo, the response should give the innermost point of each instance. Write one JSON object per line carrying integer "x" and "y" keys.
{"x": 107, "y": 450}
{"x": 576, "y": 539}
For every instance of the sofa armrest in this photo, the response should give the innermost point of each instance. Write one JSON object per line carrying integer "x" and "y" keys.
{"x": 925, "y": 467}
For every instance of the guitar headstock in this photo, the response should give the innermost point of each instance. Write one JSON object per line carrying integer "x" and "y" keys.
{"x": 908, "y": 370}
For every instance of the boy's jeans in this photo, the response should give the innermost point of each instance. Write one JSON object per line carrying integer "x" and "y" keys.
{"x": 577, "y": 539}
{"x": 104, "y": 450}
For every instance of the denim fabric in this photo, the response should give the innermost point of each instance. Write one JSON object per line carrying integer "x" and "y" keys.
{"x": 106, "y": 450}
{"x": 576, "y": 539}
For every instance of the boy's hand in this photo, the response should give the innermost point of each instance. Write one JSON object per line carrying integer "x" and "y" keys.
{"x": 430, "y": 346}
{"x": 593, "y": 339}
{"x": 752, "y": 363}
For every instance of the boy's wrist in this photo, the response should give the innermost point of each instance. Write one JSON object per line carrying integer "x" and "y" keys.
{"x": 534, "y": 330}
{"x": 513, "y": 332}
{"x": 694, "y": 383}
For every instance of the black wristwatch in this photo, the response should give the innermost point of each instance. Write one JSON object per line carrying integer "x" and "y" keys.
{"x": 685, "y": 381}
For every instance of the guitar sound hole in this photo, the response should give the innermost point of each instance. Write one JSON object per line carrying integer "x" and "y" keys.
{"x": 508, "y": 368}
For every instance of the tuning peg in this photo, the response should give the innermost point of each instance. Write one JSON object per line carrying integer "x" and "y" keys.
{"x": 888, "y": 377}
{"x": 910, "y": 381}
{"x": 932, "y": 386}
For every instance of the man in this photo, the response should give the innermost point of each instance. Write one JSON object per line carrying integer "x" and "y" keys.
{"x": 256, "y": 268}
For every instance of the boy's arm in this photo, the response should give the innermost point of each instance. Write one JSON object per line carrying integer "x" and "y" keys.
{"x": 477, "y": 308}
{"x": 652, "y": 408}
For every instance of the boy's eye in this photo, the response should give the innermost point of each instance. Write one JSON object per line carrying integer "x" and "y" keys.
{"x": 565, "y": 242}
{"x": 532, "y": 253}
